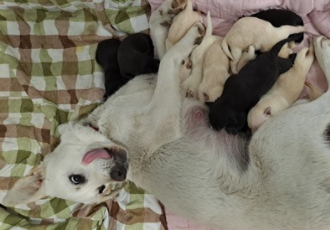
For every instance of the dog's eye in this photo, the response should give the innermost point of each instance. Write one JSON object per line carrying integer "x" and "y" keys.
{"x": 77, "y": 179}
{"x": 101, "y": 189}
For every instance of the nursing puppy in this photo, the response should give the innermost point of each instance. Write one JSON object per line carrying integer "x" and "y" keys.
{"x": 106, "y": 57}
{"x": 247, "y": 31}
{"x": 215, "y": 73}
{"x": 243, "y": 90}
{"x": 285, "y": 91}
{"x": 160, "y": 21}
{"x": 279, "y": 17}
{"x": 136, "y": 56}
{"x": 278, "y": 180}
{"x": 190, "y": 85}
{"x": 181, "y": 24}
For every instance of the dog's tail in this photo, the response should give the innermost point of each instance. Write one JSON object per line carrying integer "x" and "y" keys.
{"x": 278, "y": 46}
{"x": 209, "y": 28}
{"x": 225, "y": 48}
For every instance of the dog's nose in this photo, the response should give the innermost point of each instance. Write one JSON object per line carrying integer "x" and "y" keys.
{"x": 118, "y": 172}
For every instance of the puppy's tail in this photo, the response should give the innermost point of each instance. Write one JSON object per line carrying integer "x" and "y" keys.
{"x": 278, "y": 46}
{"x": 209, "y": 28}
{"x": 225, "y": 48}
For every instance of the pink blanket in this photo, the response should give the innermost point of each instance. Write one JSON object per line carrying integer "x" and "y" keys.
{"x": 316, "y": 16}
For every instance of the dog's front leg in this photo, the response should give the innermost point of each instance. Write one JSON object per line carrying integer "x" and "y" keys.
{"x": 165, "y": 107}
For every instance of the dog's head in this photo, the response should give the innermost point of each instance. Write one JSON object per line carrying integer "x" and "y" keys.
{"x": 226, "y": 118}
{"x": 85, "y": 167}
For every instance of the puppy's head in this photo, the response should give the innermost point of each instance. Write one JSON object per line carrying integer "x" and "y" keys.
{"x": 257, "y": 116}
{"x": 85, "y": 167}
{"x": 224, "y": 117}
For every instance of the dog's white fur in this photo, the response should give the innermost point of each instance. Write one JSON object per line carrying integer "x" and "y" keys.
{"x": 181, "y": 24}
{"x": 258, "y": 33}
{"x": 282, "y": 182}
{"x": 190, "y": 85}
{"x": 160, "y": 21}
{"x": 285, "y": 91}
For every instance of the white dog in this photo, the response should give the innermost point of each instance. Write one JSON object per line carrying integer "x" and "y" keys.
{"x": 284, "y": 92}
{"x": 258, "y": 33}
{"x": 280, "y": 179}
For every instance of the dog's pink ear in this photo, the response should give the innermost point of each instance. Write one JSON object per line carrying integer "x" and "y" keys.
{"x": 27, "y": 189}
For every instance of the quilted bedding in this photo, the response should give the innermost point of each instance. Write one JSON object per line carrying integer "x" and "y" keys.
{"x": 48, "y": 75}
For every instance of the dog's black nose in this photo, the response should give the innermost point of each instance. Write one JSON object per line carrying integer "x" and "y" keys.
{"x": 118, "y": 172}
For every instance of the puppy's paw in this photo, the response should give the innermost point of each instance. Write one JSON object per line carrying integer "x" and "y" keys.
{"x": 246, "y": 57}
{"x": 322, "y": 53}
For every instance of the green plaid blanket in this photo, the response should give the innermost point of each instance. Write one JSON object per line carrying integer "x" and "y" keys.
{"x": 48, "y": 76}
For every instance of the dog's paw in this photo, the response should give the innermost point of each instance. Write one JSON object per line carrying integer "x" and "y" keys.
{"x": 322, "y": 53}
{"x": 246, "y": 57}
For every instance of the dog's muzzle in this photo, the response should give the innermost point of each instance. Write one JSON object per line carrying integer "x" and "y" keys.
{"x": 119, "y": 171}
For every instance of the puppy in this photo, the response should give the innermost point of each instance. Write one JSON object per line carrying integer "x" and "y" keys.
{"x": 136, "y": 56}
{"x": 285, "y": 91}
{"x": 279, "y": 17}
{"x": 160, "y": 21}
{"x": 181, "y": 24}
{"x": 215, "y": 73}
{"x": 243, "y": 90}
{"x": 190, "y": 85}
{"x": 106, "y": 57}
{"x": 247, "y": 31}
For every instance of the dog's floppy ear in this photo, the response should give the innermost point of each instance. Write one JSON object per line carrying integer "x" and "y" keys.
{"x": 27, "y": 189}
{"x": 268, "y": 111}
{"x": 177, "y": 6}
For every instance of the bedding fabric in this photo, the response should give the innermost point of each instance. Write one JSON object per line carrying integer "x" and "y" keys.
{"x": 48, "y": 76}
{"x": 315, "y": 14}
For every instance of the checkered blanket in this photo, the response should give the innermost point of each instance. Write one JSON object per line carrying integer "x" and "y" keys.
{"x": 48, "y": 76}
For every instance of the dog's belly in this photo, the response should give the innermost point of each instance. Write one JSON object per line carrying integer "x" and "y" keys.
{"x": 188, "y": 177}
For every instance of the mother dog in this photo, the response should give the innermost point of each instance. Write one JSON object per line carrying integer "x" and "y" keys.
{"x": 280, "y": 179}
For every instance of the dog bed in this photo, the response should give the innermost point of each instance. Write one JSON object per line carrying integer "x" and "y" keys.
{"x": 315, "y": 14}
{"x": 49, "y": 76}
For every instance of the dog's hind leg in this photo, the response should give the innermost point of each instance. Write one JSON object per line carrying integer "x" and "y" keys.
{"x": 165, "y": 107}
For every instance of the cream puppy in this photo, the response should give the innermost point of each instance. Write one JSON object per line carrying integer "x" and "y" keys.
{"x": 285, "y": 91}
{"x": 256, "y": 32}
{"x": 181, "y": 24}
{"x": 215, "y": 73}
{"x": 190, "y": 85}
{"x": 160, "y": 21}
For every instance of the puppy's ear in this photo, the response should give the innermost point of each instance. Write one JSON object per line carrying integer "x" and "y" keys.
{"x": 26, "y": 189}
{"x": 177, "y": 6}
{"x": 268, "y": 111}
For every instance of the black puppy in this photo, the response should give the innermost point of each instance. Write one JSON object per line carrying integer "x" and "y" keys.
{"x": 106, "y": 56}
{"x": 278, "y": 18}
{"x": 136, "y": 56}
{"x": 243, "y": 90}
